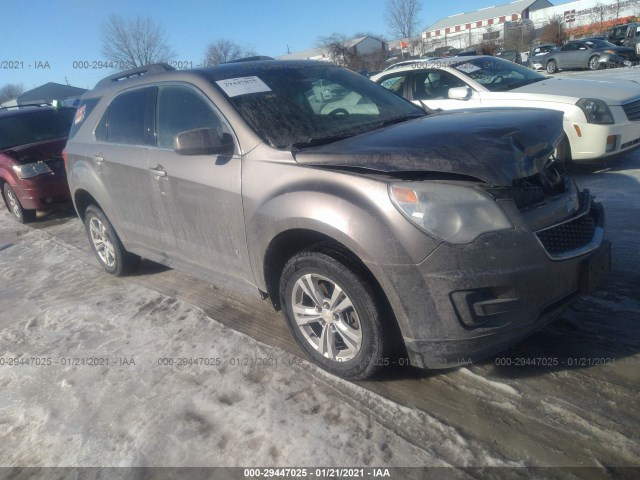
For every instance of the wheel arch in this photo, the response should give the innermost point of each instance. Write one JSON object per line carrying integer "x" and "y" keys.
{"x": 4, "y": 200}
{"x": 82, "y": 199}
{"x": 290, "y": 242}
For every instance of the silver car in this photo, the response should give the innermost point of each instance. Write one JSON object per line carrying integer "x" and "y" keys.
{"x": 591, "y": 53}
{"x": 379, "y": 231}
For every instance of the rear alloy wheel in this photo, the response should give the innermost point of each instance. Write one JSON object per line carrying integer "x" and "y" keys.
{"x": 552, "y": 67}
{"x": 20, "y": 214}
{"x": 332, "y": 313}
{"x": 107, "y": 245}
{"x": 594, "y": 63}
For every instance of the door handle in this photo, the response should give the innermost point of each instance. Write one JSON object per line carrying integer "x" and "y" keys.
{"x": 98, "y": 158}
{"x": 158, "y": 171}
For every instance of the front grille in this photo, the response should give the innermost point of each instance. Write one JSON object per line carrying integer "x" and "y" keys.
{"x": 523, "y": 196}
{"x": 530, "y": 191}
{"x": 632, "y": 110}
{"x": 630, "y": 144}
{"x": 568, "y": 236}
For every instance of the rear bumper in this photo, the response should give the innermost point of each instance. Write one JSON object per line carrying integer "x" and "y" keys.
{"x": 467, "y": 302}
{"x": 43, "y": 193}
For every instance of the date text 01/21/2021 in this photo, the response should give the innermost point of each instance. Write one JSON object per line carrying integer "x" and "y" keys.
{"x": 328, "y": 472}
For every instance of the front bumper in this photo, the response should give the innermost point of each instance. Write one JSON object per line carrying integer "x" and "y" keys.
{"x": 43, "y": 192}
{"x": 590, "y": 141}
{"x": 467, "y": 302}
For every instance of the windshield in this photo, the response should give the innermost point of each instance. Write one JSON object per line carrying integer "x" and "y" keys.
{"x": 308, "y": 105}
{"x": 36, "y": 126}
{"x": 496, "y": 74}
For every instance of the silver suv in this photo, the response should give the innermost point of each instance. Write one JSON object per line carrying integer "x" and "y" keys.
{"x": 379, "y": 230}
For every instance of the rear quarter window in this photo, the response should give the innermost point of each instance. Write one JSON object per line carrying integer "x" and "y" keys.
{"x": 126, "y": 118}
{"x": 82, "y": 112}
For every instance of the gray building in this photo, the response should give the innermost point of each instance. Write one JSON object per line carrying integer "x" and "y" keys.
{"x": 50, "y": 91}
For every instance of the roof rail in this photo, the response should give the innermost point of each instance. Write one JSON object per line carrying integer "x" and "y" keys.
{"x": 20, "y": 105}
{"x": 254, "y": 58}
{"x": 134, "y": 72}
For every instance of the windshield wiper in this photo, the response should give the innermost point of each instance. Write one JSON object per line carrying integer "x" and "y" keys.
{"x": 401, "y": 118}
{"x": 315, "y": 141}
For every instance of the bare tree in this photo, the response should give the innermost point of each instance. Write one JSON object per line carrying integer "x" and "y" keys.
{"x": 339, "y": 50}
{"x": 402, "y": 17}
{"x": 554, "y": 31}
{"x": 223, "y": 50}
{"x": 10, "y": 91}
{"x": 136, "y": 42}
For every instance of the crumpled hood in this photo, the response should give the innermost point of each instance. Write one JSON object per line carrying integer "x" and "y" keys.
{"x": 35, "y": 152}
{"x": 612, "y": 92}
{"x": 496, "y": 146}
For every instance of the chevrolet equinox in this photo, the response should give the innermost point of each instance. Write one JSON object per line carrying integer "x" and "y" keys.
{"x": 376, "y": 228}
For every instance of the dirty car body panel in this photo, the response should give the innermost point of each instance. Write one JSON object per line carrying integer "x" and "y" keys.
{"x": 284, "y": 191}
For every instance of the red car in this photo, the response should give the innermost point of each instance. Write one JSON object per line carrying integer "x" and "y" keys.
{"x": 32, "y": 174}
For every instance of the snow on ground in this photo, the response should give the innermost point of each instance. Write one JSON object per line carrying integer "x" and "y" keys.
{"x": 129, "y": 410}
{"x": 132, "y": 409}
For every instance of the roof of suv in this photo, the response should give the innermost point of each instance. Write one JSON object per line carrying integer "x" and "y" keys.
{"x": 222, "y": 71}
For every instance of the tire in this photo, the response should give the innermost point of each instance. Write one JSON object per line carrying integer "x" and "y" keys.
{"x": 344, "y": 331}
{"x": 106, "y": 244}
{"x": 552, "y": 66}
{"x": 594, "y": 63}
{"x": 21, "y": 214}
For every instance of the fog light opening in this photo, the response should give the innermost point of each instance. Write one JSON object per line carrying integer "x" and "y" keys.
{"x": 612, "y": 140}
{"x": 48, "y": 200}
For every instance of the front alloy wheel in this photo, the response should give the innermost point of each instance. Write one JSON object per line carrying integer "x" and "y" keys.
{"x": 22, "y": 215}
{"x": 334, "y": 314}
{"x": 552, "y": 67}
{"x": 594, "y": 63}
{"x": 326, "y": 317}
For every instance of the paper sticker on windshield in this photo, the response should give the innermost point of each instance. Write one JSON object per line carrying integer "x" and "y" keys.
{"x": 243, "y": 86}
{"x": 468, "y": 68}
{"x": 79, "y": 116}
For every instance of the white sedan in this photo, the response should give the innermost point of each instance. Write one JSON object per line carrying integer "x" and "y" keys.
{"x": 601, "y": 118}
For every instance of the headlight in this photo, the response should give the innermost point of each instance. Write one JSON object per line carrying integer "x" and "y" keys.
{"x": 30, "y": 170}
{"x": 595, "y": 110}
{"x": 452, "y": 213}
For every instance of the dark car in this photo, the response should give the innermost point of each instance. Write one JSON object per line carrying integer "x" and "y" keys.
{"x": 511, "y": 55}
{"x": 627, "y": 35}
{"x": 536, "y": 60}
{"x": 591, "y": 53}
{"x": 32, "y": 174}
{"x": 377, "y": 228}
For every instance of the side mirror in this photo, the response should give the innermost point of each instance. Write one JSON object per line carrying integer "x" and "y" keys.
{"x": 203, "y": 141}
{"x": 459, "y": 93}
